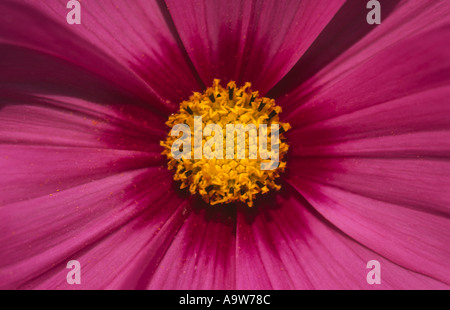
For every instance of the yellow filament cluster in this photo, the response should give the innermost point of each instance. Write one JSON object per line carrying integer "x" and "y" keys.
{"x": 221, "y": 181}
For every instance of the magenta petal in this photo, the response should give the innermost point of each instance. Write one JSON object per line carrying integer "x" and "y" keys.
{"x": 63, "y": 121}
{"x": 137, "y": 273}
{"x": 51, "y": 143}
{"x": 130, "y": 45}
{"x": 371, "y": 136}
{"x": 412, "y": 239}
{"x": 131, "y": 253}
{"x": 34, "y": 171}
{"x": 28, "y": 74}
{"x": 293, "y": 247}
{"x": 414, "y": 183}
{"x": 410, "y": 127}
{"x": 87, "y": 223}
{"x": 392, "y": 62}
{"x": 249, "y": 41}
{"x": 346, "y": 28}
{"x": 201, "y": 256}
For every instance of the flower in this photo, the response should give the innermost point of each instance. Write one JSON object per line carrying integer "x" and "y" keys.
{"x": 82, "y": 113}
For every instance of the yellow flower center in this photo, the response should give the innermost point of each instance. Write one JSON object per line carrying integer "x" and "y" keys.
{"x": 253, "y": 161}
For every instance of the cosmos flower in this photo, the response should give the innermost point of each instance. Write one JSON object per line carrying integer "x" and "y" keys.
{"x": 83, "y": 109}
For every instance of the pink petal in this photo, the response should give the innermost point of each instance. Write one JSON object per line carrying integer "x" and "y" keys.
{"x": 414, "y": 126}
{"x": 104, "y": 224}
{"x": 293, "y": 247}
{"x": 35, "y": 78}
{"x": 249, "y": 41}
{"x": 404, "y": 55}
{"x": 34, "y": 171}
{"x": 372, "y": 139}
{"x": 412, "y": 239}
{"x": 51, "y": 143}
{"x": 131, "y": 45}
{"x": 347, "y": 28}
{"x": 372, "y": 148}
{"x": 414, "y": 183}
{"x": 202, "y": 254}
{"x": 142, "y": 268}
{"x": 64, "y": 121}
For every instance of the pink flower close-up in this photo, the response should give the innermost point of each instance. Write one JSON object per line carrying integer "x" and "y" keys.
{"x": 84, "y": 108}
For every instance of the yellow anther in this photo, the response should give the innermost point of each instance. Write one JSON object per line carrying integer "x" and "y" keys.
{"x": 225, "y": 180}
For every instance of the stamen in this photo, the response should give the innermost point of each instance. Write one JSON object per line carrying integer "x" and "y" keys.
{"x": 261, "y": 106}
{"x": 223, "y": 180}
{"x": 188, "y": 109}
{"x": 251, "y": 100}
{"x": 272, "y": 114}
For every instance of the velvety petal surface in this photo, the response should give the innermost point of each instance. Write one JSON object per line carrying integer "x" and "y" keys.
{"x": 405, "y": 54}
{"x": 73, "y": 172}
{"x": 399, "y": 149}
{"x": 291, "y": 246}
{"x": 415, "y": 126}
{"x": 58, "y": 130}
{"x": 370, "y": 140}
{"x": 103, "y": 224}
{"x": 347, "y": 28}
{"x": 129, "y": 44}
{"x": 78, "y": 158}
{"x": 413, "y": 239}
{"x": 202, "y": 254}
{"x": 250, "y": 41}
